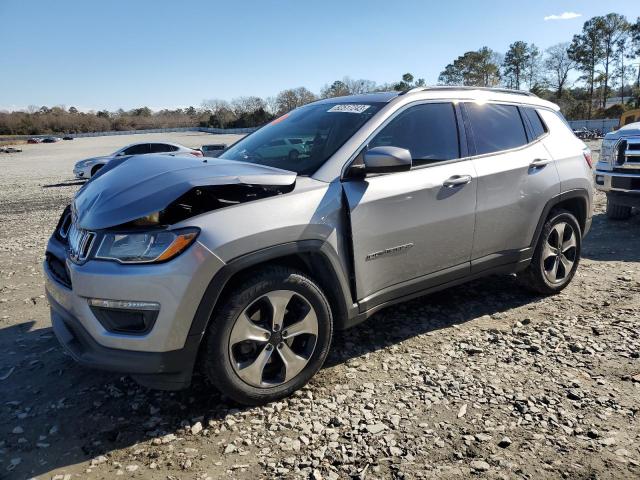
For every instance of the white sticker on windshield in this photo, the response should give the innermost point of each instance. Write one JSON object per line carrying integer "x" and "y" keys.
{"x": 348, "y": 108}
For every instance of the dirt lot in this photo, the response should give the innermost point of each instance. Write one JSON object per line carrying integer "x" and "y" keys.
{"x": 482, "y": 380}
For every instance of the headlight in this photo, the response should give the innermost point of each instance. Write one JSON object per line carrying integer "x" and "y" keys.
{"x": 607, "y": 151}
{"x": 145, "y": 247}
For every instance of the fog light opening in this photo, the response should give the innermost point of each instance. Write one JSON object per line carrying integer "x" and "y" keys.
{"x": 125, "y": 316}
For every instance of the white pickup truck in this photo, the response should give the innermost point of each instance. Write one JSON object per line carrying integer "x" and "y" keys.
{"x": 618, "y": 171}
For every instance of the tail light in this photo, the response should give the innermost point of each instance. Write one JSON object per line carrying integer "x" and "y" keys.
{"x": 196, "y": 153}
{"x": 587, "y": 157}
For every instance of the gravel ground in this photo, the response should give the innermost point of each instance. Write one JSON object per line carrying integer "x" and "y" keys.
{"x": 482, "y": 380}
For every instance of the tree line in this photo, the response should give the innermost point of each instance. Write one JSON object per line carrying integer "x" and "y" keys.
{"x": 605, "y": 56}
{"x": 240, "y": 112}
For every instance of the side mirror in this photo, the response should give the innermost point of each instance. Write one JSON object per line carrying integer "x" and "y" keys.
{"x": 387, "y": 160}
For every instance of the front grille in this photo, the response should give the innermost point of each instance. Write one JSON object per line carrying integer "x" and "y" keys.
{"x": 626, "y": 183}
{"x": 628, "y": 155}
{"x": 58, "y": 269}
{"x": 80, "y": 243}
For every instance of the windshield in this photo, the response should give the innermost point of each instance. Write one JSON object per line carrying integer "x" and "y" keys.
{"x": 302, "y": 140}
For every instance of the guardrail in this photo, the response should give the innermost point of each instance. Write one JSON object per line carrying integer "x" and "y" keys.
{"x": 217, "y": 131}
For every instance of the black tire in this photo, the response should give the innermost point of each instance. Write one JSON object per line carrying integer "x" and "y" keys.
{"x": 215, "y": 358}
{"x": 617, "y": 212}
{"x": 293, "y": 155}
{"x": 534, "y": 277}
{"x": 95, "y": 169}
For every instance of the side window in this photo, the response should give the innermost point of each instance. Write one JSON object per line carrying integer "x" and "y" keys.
{"x": 139, "y": 149}
{"x": 162, "y": 147}
{"x": 495, "y": 127}
{"x": 538, "y": 128}
{"x": 428, "y": 131}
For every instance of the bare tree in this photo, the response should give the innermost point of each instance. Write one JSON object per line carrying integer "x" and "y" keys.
{"x": 292, "y": 98}
{"x": 246, "y": 105}
{"x": 557, "y": 65}
{"x": 347, "y": 86}
{"x": 359, "y": 86}
{"x": 272, "y": 105}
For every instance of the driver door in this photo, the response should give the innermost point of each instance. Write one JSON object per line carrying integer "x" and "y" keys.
{"x": 414, "y": 229}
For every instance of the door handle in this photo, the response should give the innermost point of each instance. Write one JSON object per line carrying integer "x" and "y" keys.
{"x": 457, "y": 180}
{"x": 539, "y": 162}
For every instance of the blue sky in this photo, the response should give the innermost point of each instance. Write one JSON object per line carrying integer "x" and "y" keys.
{"x": 117, "y": 53}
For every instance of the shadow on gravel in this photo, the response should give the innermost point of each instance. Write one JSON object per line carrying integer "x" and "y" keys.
{"x": 69, "y": 183}
{"x": 68, "y": 414}
{"x": 613, "y": 240}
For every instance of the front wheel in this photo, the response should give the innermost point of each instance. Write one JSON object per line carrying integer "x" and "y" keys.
{"x": 271, "y": 335}
{"x": 556, "y": 256}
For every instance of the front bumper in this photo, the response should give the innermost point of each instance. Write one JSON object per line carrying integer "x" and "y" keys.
{"x": 617, "y": 182}
{"x": 163, "y": 356}
{"x": 163, "y": 370}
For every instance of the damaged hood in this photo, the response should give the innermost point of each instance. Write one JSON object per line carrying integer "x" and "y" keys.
{"x": 146, "y": 184}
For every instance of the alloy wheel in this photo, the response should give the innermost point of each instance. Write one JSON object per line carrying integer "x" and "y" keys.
{"x": 559, "y": 253}
{"x": 273, "y": 339}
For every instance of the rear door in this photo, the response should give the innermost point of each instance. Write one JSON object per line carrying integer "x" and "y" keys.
{"x": 516, "y": 178}
{"x": 407, "y": 226}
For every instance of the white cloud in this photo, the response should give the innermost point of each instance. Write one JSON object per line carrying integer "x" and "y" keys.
{"x": 563, "y": 16}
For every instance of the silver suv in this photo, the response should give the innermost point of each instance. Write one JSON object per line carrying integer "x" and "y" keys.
{"x": 243, "y": 266}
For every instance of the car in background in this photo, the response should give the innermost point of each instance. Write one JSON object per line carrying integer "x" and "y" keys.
{"x": 10, "y": 150}
{"x": 51, "y": 139}
{"x": 213, "y": 150}
{"x": 285, "y": 148}
{"x": 89, "y": 167}
{"x": 34, "y": 140}
{"x": 68, "y": 137}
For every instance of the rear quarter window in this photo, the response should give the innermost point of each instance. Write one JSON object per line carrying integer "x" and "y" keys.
{"x": 538, "y": 128}
{"x": 495, "y": 127}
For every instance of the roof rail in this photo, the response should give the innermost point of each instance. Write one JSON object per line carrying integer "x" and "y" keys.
{"x": 412, "y": 90}
{"x": 488, "y": 89}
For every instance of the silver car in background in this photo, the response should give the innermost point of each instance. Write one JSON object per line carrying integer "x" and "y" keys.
{"x": 241, "y": 267}
{"x": 85, "y": 169}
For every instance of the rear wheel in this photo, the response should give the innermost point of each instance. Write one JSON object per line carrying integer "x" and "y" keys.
{"x": 556, "y": 256}
{"x": 616, "y": 211}
{"x": 269, "y": 337}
